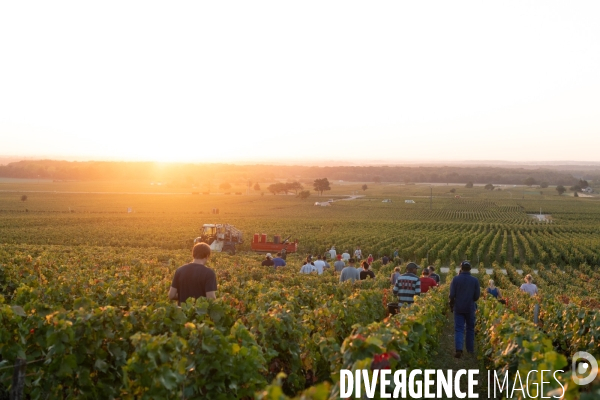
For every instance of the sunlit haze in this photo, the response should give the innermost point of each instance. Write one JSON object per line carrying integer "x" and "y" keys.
{"x": 292, "y": 81}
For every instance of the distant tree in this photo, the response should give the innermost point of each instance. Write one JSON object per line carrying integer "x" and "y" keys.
{"x": 225, "y": 186}
{"x": 530, "y": 181}
{"x": 489, "y": 186}
{"x": 256, "y": 186}
{"x": 24, "y": 197}
{"x": 452, "y": 190}
{"x": 274, "y": 188}
{"x": 364, "y": 187}
{"x": 560, "y": 189}
{"x": 579, "y": 186}
{"x": 469, "y": 185}
{"x": 293, "y": 186}
{"x": 376, "y": 179}
{"x": 544, "y": 185}
{"x": 304, "y": 194}
{"x": 575, "y": 194}
{"x": 321, "y": 185}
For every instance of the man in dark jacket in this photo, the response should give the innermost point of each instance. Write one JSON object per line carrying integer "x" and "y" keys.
{"x": 464, "y": 292}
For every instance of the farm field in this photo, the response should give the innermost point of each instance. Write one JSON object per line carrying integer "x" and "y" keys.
{"x": 84, "y": 287}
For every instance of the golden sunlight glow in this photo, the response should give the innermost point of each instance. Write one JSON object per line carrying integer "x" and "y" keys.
{"x": 279, "y": 82}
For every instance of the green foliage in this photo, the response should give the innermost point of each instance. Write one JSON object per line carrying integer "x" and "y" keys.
{"x": 304, "y": 194}
{"x": 511, "y": 343}
{"x": 321, "y": 185}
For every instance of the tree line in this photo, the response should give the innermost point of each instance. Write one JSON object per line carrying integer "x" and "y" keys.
{"x": 194, "y": 173}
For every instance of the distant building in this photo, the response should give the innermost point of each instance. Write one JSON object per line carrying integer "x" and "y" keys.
{"x": 387, "y": 201}
{"x": 323, "y": 204}
{"x": 588, "y": 190}
{"x": 409, "y": 201}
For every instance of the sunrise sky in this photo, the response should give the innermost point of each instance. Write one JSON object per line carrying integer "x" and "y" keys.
{"x": 310, "y": 80}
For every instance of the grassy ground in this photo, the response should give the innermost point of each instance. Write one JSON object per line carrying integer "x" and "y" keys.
{"x": 445, "y": 360}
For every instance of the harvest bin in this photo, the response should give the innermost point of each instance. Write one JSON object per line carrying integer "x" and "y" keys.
{"x": 393, "y": 308}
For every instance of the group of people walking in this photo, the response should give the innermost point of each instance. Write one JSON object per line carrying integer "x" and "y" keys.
{"x": 197, "y": 280}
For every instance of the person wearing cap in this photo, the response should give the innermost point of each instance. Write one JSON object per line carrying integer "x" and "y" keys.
{"x": 408, "y": 285}
{"x": 278, "y": 261}
{"x": 464, "y": 292}
{"x": 268, "y": 261}
{"x": 350, "y": 272}
{"x": 339, "y": 265}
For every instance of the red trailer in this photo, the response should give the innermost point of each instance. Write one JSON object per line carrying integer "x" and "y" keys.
{"x": 259, "y": 243}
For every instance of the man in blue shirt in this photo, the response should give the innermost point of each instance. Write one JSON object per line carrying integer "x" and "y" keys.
{"x": 464, "y": 292}
{"x": 278, "y": 261}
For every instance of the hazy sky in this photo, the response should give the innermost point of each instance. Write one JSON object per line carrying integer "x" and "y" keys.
{"x": 307, "y": 80}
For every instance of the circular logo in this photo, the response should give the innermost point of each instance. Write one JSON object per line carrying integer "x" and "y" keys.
{"x": 584, "y": 368}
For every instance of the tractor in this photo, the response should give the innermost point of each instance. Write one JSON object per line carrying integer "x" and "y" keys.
{"x": 220, "y": 237}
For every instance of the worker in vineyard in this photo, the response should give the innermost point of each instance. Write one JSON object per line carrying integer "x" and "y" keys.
{"x": 357, "y": 253}
{"x": 194, "y": 279}
{"x": 395, "y": 276}
{"x": 332, "y": 253}
{"x": 464, "y": 292}
{"x": 528, "y": 286}
{"x": 494, "y": 291}
{"x": 370, "y": 259}
{"x": 339, "y": 265}
{"x": 350, "y": 272}
{"x": 308, "y": 267}
{"x": 346, "y": 256}
{"x": 408, "y": 285}
{"x": 278, "y": 261}
{"x": 433, "y": 275}
{"x": 366, "y": 272}
{"x": 385, "y": 260}
{"x": 327, "y": 265}
{"x": 358, "y": 267}
{"x": 268, "y": 261}
{"x": 319, "y": 264}
{"x": 426, "y": 281}
{"x": 396, "y": 254}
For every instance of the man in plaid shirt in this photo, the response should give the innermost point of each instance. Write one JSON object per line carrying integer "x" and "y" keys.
{"x": 408, "y": 285}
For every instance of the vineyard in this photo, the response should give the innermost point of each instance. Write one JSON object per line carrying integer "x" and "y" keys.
{"x": 84, "y": 290}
